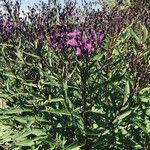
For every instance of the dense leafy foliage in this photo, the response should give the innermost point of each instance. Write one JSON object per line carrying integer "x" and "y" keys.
{"x": 75, "y": 78}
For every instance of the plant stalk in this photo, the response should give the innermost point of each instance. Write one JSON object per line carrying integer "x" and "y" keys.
{"x": 84, "y": 101}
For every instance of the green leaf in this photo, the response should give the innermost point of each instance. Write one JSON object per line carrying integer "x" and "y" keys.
{"x": 145, "y": 99}
{"x": 123, "y": 130}
{"x": 135, "y": 36}
{"x": 147, "y": 89}
{"x": 73, "y": 146}
{"x": 67, "y": 100}
{"x": 70, "y": 75}
{"x": 126, "y": 92}
{"x": 106, "y": 132}
{"x": 19, "y": 55}
{"x": 25, "y": 143}
{"x": 145, "y": 33}
{"x": 20, "y": 119}
{"x": 55, "y": 100}
{"x": 53, "y": 83}
{"x": 5, "y": 117}
{"x": 10, "y": 111}
{"x": 38, "y": 132}
{"x": 6, "y": 45}
{"x": 19, "y": 136}
{"x": 3, "y": 129}
{"x": 148, "y": 112}
{"x": 30, "y": 84}
{"x": 19, "y": 52}
{"x": 58, "y": 111}
{"x": 97, "y": 58}
{"x": 11, "y": 75}
{"x": 32, "y": 55}
{"x": 122, "y": 116}
{"x": 24, "y": 134}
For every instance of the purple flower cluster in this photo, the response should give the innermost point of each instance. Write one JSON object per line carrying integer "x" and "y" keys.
{"x": 84, "y": 43}
{"x": 8, "y": 27}
{"x": 81, "y": 41}
{"x": 65, "y": 28}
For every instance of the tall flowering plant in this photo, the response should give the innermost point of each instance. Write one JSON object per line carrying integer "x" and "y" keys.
{"x": 75, "y": 78}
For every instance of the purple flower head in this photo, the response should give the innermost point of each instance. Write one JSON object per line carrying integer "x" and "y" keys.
{"x": 78, "y": 51}
{"x": 74, "y": 34}
{"x": 88, "y": 46}
{"x": 8, "y": 27}
{"x": 72, "y": 42}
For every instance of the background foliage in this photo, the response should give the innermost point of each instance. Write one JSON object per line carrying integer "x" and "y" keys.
{"x": 63, "y": 96}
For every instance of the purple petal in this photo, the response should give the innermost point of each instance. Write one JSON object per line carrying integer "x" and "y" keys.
{"x": 88, "y": 47}
{"x": 72, "y": 42}
{"x": 78, "y": 51}
{"x": 74, "y": 34}
{"x": 85, "y": 40}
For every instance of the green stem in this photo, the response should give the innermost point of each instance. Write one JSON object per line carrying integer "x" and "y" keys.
{"x": 84, "y": 101}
